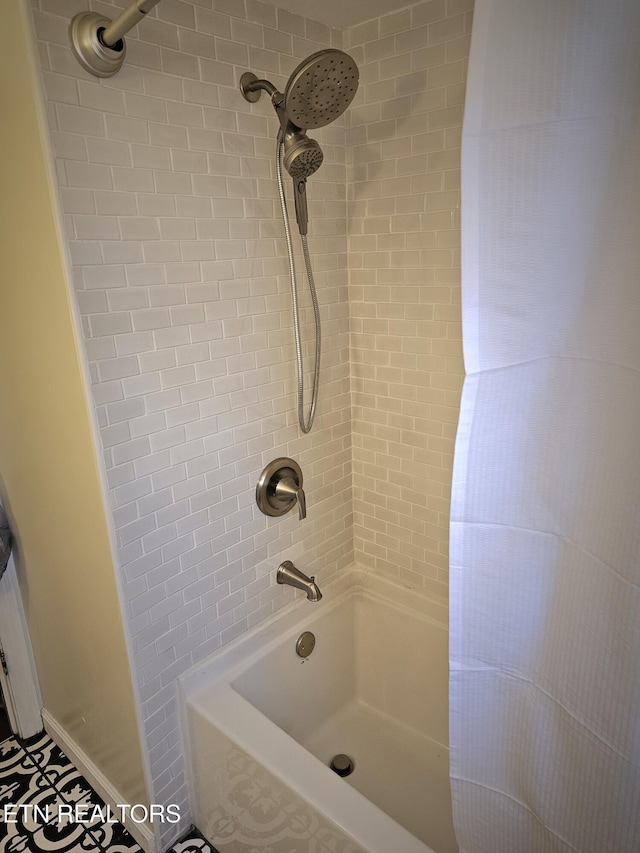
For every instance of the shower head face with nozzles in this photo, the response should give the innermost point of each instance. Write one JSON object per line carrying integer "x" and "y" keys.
{"x": 302, "y": 156}
{"x": 321, "y": 88}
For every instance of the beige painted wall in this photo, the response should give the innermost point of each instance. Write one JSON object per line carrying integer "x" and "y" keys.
{"x": 48, "y": 470}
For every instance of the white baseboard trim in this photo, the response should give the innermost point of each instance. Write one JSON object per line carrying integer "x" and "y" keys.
{"x": 142, "y": 833}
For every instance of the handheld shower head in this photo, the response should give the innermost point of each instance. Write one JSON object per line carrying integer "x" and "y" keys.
{"x": 302, "y": 156}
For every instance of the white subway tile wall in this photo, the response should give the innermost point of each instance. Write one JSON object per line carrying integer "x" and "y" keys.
{"x": 168, "y": 189}
{"x": 403, "y": 149}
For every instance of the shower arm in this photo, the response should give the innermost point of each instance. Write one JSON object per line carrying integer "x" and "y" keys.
{"x": 126, "y": 21}
{"x": 252, "y": 88}
{"x": 97, "y": 42}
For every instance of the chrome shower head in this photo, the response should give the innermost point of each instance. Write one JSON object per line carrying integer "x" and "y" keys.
{"x": 321, "y": 88}
{"x": 317, "y": 93}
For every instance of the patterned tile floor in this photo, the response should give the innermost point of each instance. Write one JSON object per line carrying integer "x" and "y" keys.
{"x": 36, "y": 774}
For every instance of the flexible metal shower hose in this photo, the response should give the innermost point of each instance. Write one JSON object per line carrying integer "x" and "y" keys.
{"x": 305, "y": 425}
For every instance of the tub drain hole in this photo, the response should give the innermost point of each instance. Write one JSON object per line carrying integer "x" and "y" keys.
{"x": 341, "y": 764}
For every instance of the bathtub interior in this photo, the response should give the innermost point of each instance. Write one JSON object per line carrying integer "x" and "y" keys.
{"x": 368, "y": 651}
{"x": 375, "y": 689}
{"x": 300, "y": 694}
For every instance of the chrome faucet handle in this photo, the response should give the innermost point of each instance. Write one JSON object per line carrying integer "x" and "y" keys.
{"x": 280, "y": 487}
{"x": 289, "y": 488}
{"x": 302, "y": 504}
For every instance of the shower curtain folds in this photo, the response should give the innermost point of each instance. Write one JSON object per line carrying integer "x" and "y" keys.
{"x": 545, "y": 532}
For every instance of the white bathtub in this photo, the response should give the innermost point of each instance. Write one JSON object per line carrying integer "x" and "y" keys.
{"x": 262, "y": 724}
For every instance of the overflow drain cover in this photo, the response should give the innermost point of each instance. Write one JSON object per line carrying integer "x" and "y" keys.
{"x": 305, "y": 644}
{"x": 341, "y": 764}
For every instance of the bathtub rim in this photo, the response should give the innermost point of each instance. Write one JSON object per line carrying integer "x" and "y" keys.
{"x": 298, "y": 770}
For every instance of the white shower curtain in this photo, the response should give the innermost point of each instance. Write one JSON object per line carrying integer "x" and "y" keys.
{"x": 545, "y": 533}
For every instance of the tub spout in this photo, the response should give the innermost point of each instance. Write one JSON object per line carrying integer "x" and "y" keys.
{"x": 288, "y": 574}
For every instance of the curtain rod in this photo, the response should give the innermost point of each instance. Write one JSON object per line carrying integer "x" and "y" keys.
{"x": 98, "y": 43}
